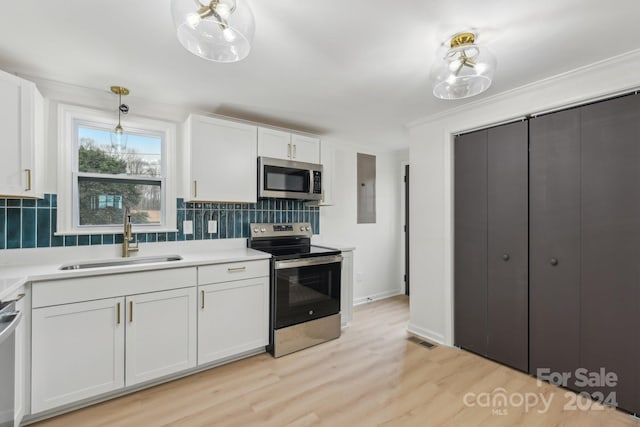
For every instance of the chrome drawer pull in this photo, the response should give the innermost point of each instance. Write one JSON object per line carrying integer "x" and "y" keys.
{"x": 236, "y": 269}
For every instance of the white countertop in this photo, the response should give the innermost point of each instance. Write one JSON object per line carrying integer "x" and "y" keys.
{"x": 317, "y": 240}
{"x": 13, "y": 276}
{"x": 338, "y": 246}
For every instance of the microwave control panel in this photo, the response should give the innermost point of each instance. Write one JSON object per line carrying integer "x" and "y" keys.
{"x": 317, "y": 182}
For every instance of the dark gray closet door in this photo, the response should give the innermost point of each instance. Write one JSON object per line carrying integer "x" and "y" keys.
{"x": 470, "y": 242}
{"x": 611, "y": 243}
{"x": 507, "y": 254}
{"x": 554, "y": 242}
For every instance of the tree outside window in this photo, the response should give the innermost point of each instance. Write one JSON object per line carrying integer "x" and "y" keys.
{"x": 111, "y": 178}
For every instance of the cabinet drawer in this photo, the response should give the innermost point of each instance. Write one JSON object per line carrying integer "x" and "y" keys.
{"x": 56, "y": 292}
{"x": 232, "y": 271}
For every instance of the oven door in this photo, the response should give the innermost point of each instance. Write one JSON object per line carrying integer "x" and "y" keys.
{"x": 306, "y": 289}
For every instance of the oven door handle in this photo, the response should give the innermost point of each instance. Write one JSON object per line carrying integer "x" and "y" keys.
{"x": 306, "y": 262}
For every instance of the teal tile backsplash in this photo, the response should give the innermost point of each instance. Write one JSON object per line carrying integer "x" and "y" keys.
{"x": 27, "y": 223}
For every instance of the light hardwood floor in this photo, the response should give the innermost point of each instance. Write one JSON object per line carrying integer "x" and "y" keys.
{"x": 372, "y": 375}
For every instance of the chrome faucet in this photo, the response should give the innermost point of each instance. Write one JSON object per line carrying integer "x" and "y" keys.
{"x": 128, "y": 235}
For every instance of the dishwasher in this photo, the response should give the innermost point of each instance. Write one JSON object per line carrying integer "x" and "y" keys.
{"x": 9, "y": 320}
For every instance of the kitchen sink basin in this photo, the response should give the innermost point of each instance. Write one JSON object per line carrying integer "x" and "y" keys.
{"x": 120, "y": 262}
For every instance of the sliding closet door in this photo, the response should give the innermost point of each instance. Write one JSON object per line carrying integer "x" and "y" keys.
{"x": 507, "y": 248}
{"x": 470, "y": 257}
{"x": 611, "y": 243}
{"x": 554, "y": 242}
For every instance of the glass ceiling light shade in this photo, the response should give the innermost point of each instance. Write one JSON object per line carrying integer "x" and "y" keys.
{"x": 217, "y": 30}
{"x": 465, "y": 70}
{"x": 118, "y": 137}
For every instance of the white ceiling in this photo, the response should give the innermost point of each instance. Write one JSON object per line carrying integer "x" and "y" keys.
{"x": 355, "y": 69}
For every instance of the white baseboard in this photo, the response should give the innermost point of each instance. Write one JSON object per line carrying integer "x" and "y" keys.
{"x": 426, "y": 334}
{"x": 378, "y": 296}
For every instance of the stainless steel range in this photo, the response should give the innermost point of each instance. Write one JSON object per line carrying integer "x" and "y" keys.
{"x": 304, "y": 287}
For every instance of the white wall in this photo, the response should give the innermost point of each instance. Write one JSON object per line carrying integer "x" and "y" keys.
{"x": 432, "y": 167}
{"x": 377, "y": 259}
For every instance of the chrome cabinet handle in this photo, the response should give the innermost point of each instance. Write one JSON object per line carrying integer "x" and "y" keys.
{"x": 506, "y": 257}
{"x": 553, "y": 262}
{"x": 118, "y": 310}
{"x": 236, "y": 269}
{"x": 202, "y": 300}
{"x": 195, "y": 188}
{"x": 130, "y": 311}
{"x": 28, "y": 171}
{"x": 294, "y": 150}
{"x": 288, "y": 150}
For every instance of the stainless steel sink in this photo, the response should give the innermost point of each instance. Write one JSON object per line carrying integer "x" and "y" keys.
{"x": 120, "y": 262}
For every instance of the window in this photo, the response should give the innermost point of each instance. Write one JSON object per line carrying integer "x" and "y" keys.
{"x": 107, "y": 177}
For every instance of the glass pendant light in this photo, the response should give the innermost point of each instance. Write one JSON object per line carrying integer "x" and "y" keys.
{"x": 465, "y": 70}
{"x": 118, "y": 137}
{"x": 217, "y": 30}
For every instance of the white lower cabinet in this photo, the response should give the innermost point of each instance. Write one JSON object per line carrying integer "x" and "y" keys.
{"x": 161, "y": 334}
{"x": 233, "y": 317}
{"x": 77, "y": 352}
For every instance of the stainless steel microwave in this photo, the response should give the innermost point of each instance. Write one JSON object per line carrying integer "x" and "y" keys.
{"x": 287, "y": 179}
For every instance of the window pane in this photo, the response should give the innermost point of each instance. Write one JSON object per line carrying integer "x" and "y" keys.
{"x": 97, "y": 153}
{"x": 102, "y": 201}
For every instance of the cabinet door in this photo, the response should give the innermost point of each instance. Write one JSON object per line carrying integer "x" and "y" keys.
{"x": 161, "y": 334}
{"x": 470, "y": 257}
{"x": 223, "y": 163}
{"x": 305, "y": 149}
{"x": 554, "y": 287}
{"x": 507, "y": 253}
{"x": 16, "y": 162}
{"x": 274, "y": 143}
{"x": 611, "y": 243}
{"x": 77, "y": 352}
{"x": 346, "y": 288}
{"x": 233, "y": 317}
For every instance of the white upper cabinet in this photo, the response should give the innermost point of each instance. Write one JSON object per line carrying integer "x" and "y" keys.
{"x": 305, "y": 149}
{"x": 328, "y": 160}
{"x": 284, "y": 145}
{"x": 222, "y": 161}
{"x": 21, "y": 119}
{"x": 274, "y": 143}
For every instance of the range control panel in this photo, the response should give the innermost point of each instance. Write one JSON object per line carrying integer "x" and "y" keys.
{"x": 287, "y": 229}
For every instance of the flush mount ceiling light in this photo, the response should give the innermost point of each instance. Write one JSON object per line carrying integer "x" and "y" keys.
{"x": 118, "y": 137}
{"x": 465, "y": 70}
{"x": 217, "y": 30}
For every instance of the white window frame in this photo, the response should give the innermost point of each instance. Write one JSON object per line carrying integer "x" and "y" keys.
{"x": 70, "y": 117}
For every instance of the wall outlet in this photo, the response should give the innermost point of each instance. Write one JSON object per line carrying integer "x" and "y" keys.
{"x": 187, "y": 227}
{"x": 212, "y": 227}
{"x": 359, "y": 277}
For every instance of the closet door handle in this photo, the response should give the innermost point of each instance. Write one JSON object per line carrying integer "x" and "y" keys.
{"x": 553, "y": 262}
{"x": 505, "y": 257}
